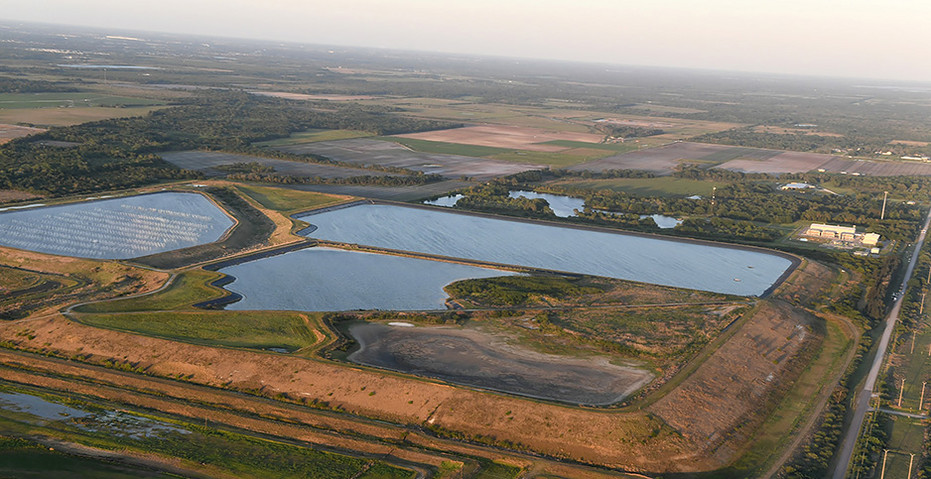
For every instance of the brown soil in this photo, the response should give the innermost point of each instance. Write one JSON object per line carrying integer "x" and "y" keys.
{"x": 262, "y": 416}
{"x": 9, "y": 196}
{"x": 720, "y": 405}
{"x": 500, "y": 136}
{"x": 9, "y": 132}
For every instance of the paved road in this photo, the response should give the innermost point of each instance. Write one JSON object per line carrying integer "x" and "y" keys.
{"x": 862, "y": 404}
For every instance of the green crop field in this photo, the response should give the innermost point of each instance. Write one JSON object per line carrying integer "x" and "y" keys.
{"x": 615, "y": 147}
{"x": 445, "y": 148}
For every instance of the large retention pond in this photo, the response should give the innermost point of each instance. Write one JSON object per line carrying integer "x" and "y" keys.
{"x": 116, "y": 228}
{"x": 647, "y": 259}
{"x": 326, "y": 279}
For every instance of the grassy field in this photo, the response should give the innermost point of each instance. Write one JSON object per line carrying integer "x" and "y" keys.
{"x": 311, "y": 136}
{"x": 905, "y": 436}
{"x": 239, "y": 329}
{"x": 187, "y": 288}
{"x": 444, "y": 148}
{"x": 70, "y": 116}
{"x": 662, "y": 186}
{"x": 285, "y": 199}
{"x": 69, "y": 100}
{"x": 26, "y": 460}
{"x": 613, "y": 147}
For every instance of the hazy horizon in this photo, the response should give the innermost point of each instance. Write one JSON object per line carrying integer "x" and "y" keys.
{"x": 853, "y": 39}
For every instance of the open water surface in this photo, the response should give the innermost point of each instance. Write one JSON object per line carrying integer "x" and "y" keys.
{"x": 116, "y": 228}
{"x": 647, "y": 259}
{"x": 327, "y": 279}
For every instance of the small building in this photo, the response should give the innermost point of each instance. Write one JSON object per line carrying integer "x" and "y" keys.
{"x": 870, "y": 239}
{"x": 845, "y": 233}
{"x": 796, "y": 186}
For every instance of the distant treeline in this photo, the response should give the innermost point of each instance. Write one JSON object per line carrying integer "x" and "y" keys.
{"x": 19, "y": 85}
{"x": 852, "y": 143}
{"x": 120, "y": 152}
{"x": 361, "y": 180}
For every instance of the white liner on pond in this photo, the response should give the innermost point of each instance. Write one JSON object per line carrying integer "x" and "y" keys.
{"x": 654, "y": 260}
{"x": 116, "y": 228}
{"x": 326, "y": 279}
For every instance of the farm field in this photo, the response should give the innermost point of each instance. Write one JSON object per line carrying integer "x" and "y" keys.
{"x": 562, "y": 118}
{"x": 877, "y": 168}
{"x": 208, "y": 161}
{"x": 385, "y": 153}
{"x": 507, "y": 137}
{"x": 70, "y": 116}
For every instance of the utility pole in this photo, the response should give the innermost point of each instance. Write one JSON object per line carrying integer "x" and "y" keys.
{"x": 882, "y": 215}
{"x": 921, "y": 401}
{"x": 882, "y": 474}
{"x": 901, "y": 390}
{"x": 921, "y": 307}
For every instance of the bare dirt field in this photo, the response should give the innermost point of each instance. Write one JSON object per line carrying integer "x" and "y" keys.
{"x": 9, "y": 132}
{"x": 386, "y": 153}
{"x": 785, "y": 162}
{"x": 500, "y": 136}
{"x": 476, "y": 358}
{"x": 738, "y": 381}
{"x": 662, "y": 160}
{"x": 877, "y": 168}
{"x": 207, "y": 161}
{"x": 9, "y": 196}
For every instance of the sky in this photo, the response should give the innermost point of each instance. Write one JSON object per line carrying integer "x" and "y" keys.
{"x": 851, "y": 38}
